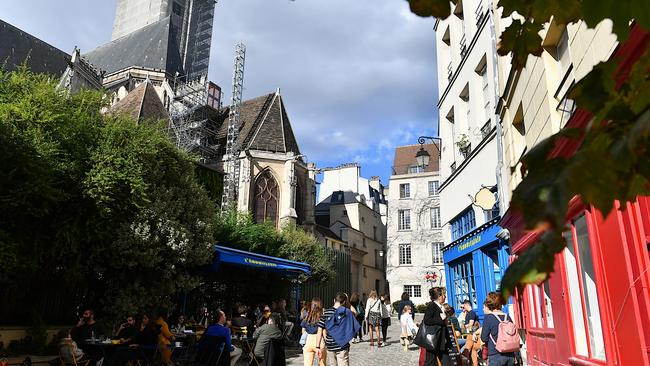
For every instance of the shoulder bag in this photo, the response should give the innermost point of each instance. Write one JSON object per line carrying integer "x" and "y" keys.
{"x": 429, "y": 337}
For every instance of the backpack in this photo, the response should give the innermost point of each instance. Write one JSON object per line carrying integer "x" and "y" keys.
{"x": 507, "y": 338}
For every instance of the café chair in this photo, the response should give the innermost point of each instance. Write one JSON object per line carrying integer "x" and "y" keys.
{"x": 74, "y": 362}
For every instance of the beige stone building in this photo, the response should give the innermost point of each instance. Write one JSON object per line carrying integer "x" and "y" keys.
{"x": 534, "y": 102}
{"x": 354, "y": 209}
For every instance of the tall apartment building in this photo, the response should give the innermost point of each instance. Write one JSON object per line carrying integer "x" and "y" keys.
{"x": 593, "y": 309}
{"x": 354, "y": 209}
{"x": 475, "y": 258}
{"x": 414, "y": 262}
{"x": 191, "y": 27}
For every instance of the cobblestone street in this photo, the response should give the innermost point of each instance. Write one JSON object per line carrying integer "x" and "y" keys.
{"x": 362, "y": 354}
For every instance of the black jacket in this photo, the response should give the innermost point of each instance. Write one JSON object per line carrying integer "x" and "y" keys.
{"x": 433, "y": 319}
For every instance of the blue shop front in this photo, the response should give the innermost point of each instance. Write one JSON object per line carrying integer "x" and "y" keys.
{"x": 475, "y": 264}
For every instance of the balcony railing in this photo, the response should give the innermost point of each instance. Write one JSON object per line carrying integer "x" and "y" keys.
{"x": 450, "y": 71}
{"x": 463, "y": 47}
{"x": 485, "y": 130}
{"x": 478, "y": 13}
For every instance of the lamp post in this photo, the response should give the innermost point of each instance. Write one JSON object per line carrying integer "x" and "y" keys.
{"x": 423, "y": 156}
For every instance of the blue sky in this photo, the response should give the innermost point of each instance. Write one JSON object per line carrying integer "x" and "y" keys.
{"x": 358, "y": 77}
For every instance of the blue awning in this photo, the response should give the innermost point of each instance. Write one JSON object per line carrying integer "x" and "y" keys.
{"x": 264, "y": 262}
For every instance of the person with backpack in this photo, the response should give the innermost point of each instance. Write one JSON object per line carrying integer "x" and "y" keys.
{"x": 337, "y": 327}
{"x": 310, "y": 328}
{"x": 500, "y": 333}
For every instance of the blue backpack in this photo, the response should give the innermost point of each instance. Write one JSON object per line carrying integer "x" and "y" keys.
{"x": 342, "y": 326}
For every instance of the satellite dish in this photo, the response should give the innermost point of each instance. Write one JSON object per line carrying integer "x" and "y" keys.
{"x": 485, "y": 198}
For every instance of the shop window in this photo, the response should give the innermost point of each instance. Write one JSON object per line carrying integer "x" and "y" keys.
{"x": 435, "y": 217}
{"x": 539, "y": 301}
{"x": 404, "y": 220}
{"x": 463, "y": 223}
{"x": 437, "y": 252}
{"x": 464, "y": 283}
{"x": 413, "y": 290}
{"x": 404, "y": 254}
{"x": 433, "y": 188}
{"x": 404, "y": 190}
{"x": 581, "y": 278}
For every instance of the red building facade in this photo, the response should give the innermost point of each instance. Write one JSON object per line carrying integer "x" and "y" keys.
{"x": 595, "y": 307}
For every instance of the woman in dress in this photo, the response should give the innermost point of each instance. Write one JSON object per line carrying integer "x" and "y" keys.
{"x": 310, "y": 327}
{"x": 373, "y": 317}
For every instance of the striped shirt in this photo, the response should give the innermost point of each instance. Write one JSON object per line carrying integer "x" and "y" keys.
{"x": 329, "y": 341}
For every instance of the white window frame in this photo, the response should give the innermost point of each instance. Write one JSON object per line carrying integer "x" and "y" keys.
{"x": 405, "y": 254}
{"x": 405, "y": 190}
{"x": 434, "y": 212}
{"x": 436, "y": 248}
{"x": 404, "y": 220}
{"x": 433, "y": 186}
{"x": 413, "y": 290}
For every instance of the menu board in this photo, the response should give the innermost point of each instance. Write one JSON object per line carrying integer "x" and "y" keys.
{"x": 452, "y": 347}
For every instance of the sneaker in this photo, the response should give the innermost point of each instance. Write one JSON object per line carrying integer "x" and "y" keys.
{"x": 354, "y": 340}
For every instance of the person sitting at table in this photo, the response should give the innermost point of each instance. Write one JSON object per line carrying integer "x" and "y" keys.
{"x": 127, "y": 330}
{"x": 144, "y": 342}
{"x": 284, "y": 314}
{"x": 471, "y": 319}
{"x": 68, "y": 349}
{"x": 264, "y": 318}
{"x": 219, "y": 329}
{"x": 451, "y": 316}
{"x": 242, "y": 321}
{"x": 179, "y": 327}
{"x": 265, "y": 333}
{"x": 87, "y": 327}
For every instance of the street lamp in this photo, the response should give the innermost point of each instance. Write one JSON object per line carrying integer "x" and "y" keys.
{"x": 423, "y": 156}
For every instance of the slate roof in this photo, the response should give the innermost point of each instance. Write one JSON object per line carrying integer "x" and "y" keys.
{"x": 152, "y": 46}
{"x": 265, "y": 125}
{"x": 142, "y": 103}
{"x": 326, "y": 232}
{"x": 405, "y": 158}
{"x": 16, "y": 45}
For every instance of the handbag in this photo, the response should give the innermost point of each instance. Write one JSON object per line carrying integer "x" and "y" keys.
{"x": 429, "y": 337}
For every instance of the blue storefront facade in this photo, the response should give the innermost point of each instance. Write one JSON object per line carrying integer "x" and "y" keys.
{"x": 474, "y": 265}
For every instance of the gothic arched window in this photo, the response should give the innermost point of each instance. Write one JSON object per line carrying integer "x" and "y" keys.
{"x": 266, "y": 198}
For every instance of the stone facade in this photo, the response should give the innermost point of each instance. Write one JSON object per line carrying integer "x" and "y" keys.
{"x": 414, "y": 251}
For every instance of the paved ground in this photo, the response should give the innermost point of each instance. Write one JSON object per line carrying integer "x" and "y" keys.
{"x": 363, "y": 354}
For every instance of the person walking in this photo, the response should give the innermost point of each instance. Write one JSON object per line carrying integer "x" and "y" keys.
{"x": 490, "y": 333}
{"x": 385, "y": 316}
{"x": 404, "y": 302}
{"x": 355, "y": 301}
{"x": 409, "y": 329}
{"x": 337, "y": 327}
{"x": 435, "y": 316}
{"x": 373, "y": 317}
{"x": 310, "y": 327}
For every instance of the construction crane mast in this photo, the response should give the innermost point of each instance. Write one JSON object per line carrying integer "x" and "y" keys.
{"x": 231, "y": 178}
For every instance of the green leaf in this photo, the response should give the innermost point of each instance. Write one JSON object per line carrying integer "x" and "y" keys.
{"x": 522, "y": 39}
{"x": 534, "y": 265}
{"x": 620, "y": 12}
{"x": 440, "y": 9}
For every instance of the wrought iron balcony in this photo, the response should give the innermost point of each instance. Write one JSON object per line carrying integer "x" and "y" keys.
{"x": 463, "y": 47}
{"x": 450, "y": 71}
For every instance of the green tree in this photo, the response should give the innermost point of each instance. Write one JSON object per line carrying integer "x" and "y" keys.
{"x": 237, "y": 230}
{"x": 94, "y": 209}
{"x": 613, "y": 159}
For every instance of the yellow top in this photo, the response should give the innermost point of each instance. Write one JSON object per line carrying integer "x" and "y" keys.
{"x": 165, "y": 335}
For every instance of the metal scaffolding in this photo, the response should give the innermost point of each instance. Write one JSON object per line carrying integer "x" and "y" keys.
{"x": 231, "y": 179}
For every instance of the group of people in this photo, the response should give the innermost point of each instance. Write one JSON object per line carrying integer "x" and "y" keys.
{"x": 439, "y": 313}
{"x": 140, "y": 340}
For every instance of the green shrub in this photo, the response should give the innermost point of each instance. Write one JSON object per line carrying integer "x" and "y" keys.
{"x": 395, "y": 305}
{"x": 421, "y": 308}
